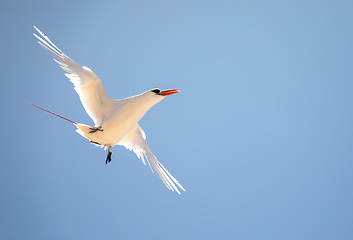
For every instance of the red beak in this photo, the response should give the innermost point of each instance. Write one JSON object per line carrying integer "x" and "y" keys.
{"x": 169, "y": 92}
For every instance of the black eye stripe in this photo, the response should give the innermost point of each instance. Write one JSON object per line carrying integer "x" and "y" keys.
{"x": 157, "y": 91}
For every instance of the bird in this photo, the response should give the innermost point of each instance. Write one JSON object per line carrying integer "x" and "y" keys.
{"x": 116, "y": 121}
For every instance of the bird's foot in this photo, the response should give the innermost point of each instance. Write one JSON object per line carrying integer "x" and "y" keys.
{"x": 95, "y": 129}
{"x": 109, "y": 157}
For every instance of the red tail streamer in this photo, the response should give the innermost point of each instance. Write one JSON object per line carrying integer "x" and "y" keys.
{"x": 52, "y": 113}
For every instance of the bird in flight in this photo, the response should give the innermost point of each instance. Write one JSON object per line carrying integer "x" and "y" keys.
{"x": 116, "y": 121}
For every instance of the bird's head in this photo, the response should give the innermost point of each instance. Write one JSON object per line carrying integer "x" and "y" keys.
{"x": 152, "y": 97}
{"x": 165, "y": 93}
{"x": 156, "y": 95}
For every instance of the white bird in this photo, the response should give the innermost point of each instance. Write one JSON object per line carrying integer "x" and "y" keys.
{"x": 116, "y": 121}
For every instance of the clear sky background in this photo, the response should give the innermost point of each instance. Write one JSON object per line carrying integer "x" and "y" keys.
{"x": 260, "y": 135}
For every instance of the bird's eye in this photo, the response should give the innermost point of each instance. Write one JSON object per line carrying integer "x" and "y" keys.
{"x": 156, "y": 91}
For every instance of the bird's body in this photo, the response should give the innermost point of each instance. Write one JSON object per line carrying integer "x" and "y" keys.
{"x": 120, "y": 118}
{"x": 116, "y": 121}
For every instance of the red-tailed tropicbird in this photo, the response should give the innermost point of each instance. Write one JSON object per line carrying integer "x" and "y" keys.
{"x": 116, "y": 121}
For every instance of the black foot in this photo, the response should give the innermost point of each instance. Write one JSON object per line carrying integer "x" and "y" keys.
{"x": 109, "y": 157}
{"x": 95, "y": 129}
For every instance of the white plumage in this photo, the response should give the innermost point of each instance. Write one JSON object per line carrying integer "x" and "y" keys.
{"x": 116, "y": 121}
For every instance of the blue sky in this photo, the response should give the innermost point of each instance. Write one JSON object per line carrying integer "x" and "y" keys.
{"x": 260, "y": 135}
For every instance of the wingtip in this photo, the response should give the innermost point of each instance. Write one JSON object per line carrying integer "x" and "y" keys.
{"x": 39, "y": 31}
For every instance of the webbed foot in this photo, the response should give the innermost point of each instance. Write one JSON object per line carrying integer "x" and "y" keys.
{"x": 95, "y": 129}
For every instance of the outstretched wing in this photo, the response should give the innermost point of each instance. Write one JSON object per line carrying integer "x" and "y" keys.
{"x": 88, "y": 86}
{"x": 136, "y": 140}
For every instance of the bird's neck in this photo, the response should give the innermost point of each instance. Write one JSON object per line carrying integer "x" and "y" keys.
{"x": 140, "y": 104}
